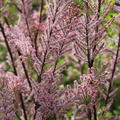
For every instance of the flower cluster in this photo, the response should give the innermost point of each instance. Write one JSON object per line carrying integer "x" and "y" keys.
{"x": 116, "y": 6}
{"x": 87, "y": 89}
{"x": 7, "y": 108}
{"x": 18, "y": 39}
{"x": 46, "y": 96}
{"x": 16, "y": 83}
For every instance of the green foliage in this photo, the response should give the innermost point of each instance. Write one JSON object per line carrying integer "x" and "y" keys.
{"x": 3, "y": 53}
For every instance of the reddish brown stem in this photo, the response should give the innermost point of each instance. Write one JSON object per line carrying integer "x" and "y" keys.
{"x": 40, "y": 20}
{"x": 113, "y": 71}
{"x": 8, "y": 47}
{"x": 26, "y": 20}
{"x": 15, "y": 71}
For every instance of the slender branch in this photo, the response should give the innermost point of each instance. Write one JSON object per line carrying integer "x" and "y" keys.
{"x": 95, "y": 112}
{"x": 99, "y": 7}
{"x": 113, "y": 71}
{"x": 8, "y": 47}
{"x": 87, "y": 38}
{"x": 19, "y": 10}
{"x": 89, "y": 114}
{"x": 23, "y": 106}
{"x": 42, "y": 67}
{"x": 56, "y": 62}
{"x": 23, "y": 64}
{"x": 45, "y": 54}
{"x": 26, "y": 20}
{"x": 44, "y": 59}
{"x": 112, "y": 76}
{"x": 88, "y": 52}
{"x": 97, "y": 29}
{"x": 15, "y": 71}
{"x": 91, "y": 61}
{"x": 40, "y": 20}
{"x": 10, "y": 53}
{"x": 25, "y": 71}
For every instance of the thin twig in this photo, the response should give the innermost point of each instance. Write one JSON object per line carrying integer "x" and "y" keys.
{"x": 56, "y": 62}
{"x": 23, "y": 64}
{"x": 88, "y": 50}
{"x": 87, "y": 38}
{"x": 42, "y": 67}
{"x": 112, "y": 75}
{"x": 25, "y": 71}
{"x": 97, "y": 28}
{"x": 114, "y": 69}
{"x": 40, "y": 20}
{"x": 45, "y": 54}
{"x": 91, "y": 61}
{"x": 15, "y": 71}
{"x": 8, "y": 47}
{"x": 23, "y": 106}
{"x": 26, "y": 20}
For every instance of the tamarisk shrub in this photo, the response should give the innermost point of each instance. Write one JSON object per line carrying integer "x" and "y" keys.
{"x": 37, "y": 41}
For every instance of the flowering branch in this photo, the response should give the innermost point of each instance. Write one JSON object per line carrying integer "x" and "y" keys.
{"x": 15, "y": 71}
{"x": 40, "y": 20}
{"x": 112, "y": 76}
{"x": 9, "y": 50}
{"x": 25, "y": 71}
{"x": 26, "y": 19}
{"x": 113, "y": 71}
{"x": 48, "y": 41}
{"x": 92, "y": 61}
{"x": 23, "y": 64}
